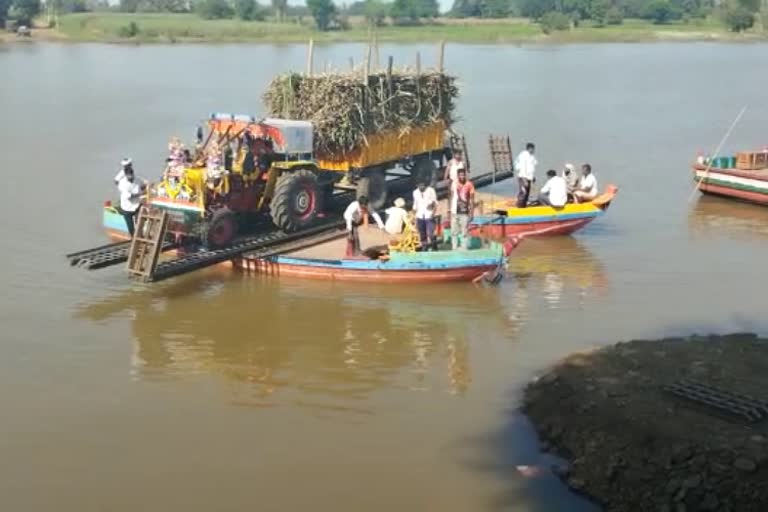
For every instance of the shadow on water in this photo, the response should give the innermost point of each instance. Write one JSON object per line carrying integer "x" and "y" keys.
{"x": 512, "y": 454}
{"x": 305, "y": 343}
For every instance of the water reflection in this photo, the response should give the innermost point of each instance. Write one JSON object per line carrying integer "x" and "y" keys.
{"x": 726, "y": 217}
{"x": 307, "y": 342}
{"x": 553, "y": 268}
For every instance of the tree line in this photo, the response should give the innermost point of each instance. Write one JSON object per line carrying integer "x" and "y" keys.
{"x": 552, "y": 15}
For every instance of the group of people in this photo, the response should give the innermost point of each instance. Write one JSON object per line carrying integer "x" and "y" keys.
{"x": 130, "y": 192}
{"x": 424, "y": 208}
{"x": 558, "y": 189}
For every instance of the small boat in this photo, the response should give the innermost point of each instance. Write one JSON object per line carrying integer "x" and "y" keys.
{"x": 743, "y": 177}
{"x": 114, "y": 223}
{"x": 510, "y": 221}
{"x": 414, "y": 267}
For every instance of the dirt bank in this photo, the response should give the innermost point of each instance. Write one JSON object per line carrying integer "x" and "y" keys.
{"x": 632, "y": 446}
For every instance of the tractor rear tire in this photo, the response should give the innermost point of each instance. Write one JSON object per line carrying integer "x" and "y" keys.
{"x": 297, "y": 200}
{"x": 373, "y": 186}
{"x": 220, "y": 230}
{"x": 424, "y": 170}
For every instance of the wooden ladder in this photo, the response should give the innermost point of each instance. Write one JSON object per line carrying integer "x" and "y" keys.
{"x": 501, "y": 153}
{"x": 147, "y": 243}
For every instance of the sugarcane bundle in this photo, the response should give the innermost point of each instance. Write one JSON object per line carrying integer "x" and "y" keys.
{"x": 344, "y": 107}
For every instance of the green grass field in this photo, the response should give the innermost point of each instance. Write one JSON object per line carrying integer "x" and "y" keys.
{"x": 113, "y": 27}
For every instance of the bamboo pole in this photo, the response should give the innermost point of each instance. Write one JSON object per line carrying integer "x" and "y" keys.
{"x": 441, "y": 57}
{"x": 717, "y": 151}
{"x": 377, "y": 64}
{"x": 310, "y": 56}
{"x": 390, "y": 62}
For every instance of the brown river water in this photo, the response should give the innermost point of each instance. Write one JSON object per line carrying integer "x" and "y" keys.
{"x": 221, "y": 392}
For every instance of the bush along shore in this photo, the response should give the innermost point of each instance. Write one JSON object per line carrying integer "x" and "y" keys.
{"x": 632, "y": 445}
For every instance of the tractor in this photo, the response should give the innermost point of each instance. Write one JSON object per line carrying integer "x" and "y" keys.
{"x": 244, "y": 168}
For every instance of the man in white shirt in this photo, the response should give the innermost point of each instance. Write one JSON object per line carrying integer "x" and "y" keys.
{"x": 587, "y": 188}
{"x": 454, "y": 164}
{"x": 130, "y": 199}
{"x": 353, "y": 216}
{"x": 555, "y": 191}
{"x": 125, "y": 164}
{"x": 396, "y": 216}
{"x": 571, "y": 177}
{"x": 526, "y": 173}
{"x": 424, "y": 205}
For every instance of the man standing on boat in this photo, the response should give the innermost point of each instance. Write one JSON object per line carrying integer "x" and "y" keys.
{"x": 353, "y": 216}
{"x": 424, "y": 205}
{"x": 130, "y": 198}
{"x": 526, "y": 173}
{"x": 462, "y": 208}
{"x": 125, "y": 164}
{"x": 454, "y": 164}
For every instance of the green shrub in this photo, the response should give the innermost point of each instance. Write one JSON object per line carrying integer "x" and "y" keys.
{"x": 128, "y": 31}
{"x": 554, "y": 21}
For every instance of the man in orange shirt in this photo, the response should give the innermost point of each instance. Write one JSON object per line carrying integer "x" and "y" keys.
{"x": 462, "y": 209}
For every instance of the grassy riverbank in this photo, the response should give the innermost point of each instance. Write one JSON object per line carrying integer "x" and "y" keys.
{"x": 171, "y": 28}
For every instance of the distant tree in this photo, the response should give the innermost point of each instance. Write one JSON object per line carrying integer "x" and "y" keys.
{"x": 598, "y": 11}
{"x": 737, "y": 17}
{"x": 661, "y": 11}
{"x": 536, "y": 9}
{"x": 4, "y": 6}
{"x": 248, "y": 10}
{"x": 71, "y": 6}
{"x": 356, "y": 8}
{"x": 752, "y": 6}
{"x": 614, "y": 16}
{"x": 495, "y": 8}
{"x": 580, "y": 7}
{"x": 465, "y": 9}
{"x": 214, "y": 9}
{"x": 25, "y": 10}
{"x": 554, "y": 21}
{"x": 280, "y": 7}
{"x": 323, "y": 11}
{"x": 129, "y": 5}
{"x": 375, "y": 12}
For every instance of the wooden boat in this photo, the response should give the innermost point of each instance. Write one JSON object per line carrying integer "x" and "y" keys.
{"x": 399, "y": 267}
{"x": 744, "y": 177}
{"x": 114, "y": 223}
{"x": 510, "y": 221}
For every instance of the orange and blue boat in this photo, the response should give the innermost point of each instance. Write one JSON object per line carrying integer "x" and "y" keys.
{"x": 509, "y": 221}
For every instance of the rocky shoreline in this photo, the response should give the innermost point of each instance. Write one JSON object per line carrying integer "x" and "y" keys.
{"x": 632, "y": 446}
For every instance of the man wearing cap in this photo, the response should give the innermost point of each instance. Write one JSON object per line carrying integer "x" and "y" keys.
{"x": 570, "y": 177}
{"x": 130, "y": 198}
{"x": 396, "y": 217}
{"x": 125, "y": 165}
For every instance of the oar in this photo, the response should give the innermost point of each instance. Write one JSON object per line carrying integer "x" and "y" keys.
{"x": 716, "y": 153}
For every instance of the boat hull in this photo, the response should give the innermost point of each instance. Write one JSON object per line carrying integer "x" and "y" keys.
{"x": 114, "y": 224}
{"x": 437, "y": 267}
{"x": 750, "y": 186}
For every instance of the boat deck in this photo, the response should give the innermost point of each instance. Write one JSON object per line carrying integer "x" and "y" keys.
{"x": 759, "y": 174}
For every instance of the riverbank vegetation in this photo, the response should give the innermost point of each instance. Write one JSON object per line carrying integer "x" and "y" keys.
{"x": 469, "y": 21}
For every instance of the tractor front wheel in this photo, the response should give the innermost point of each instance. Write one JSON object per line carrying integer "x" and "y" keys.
{"x": 373, "y": 186}
{"x": 297, "y": 200}
{"x": 220, "y": 230}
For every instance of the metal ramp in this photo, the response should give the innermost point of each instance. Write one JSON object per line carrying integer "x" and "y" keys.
{"x": 147, "y": 243}
{"x": 501, "y": 154}
{"x": 719, "y": 401}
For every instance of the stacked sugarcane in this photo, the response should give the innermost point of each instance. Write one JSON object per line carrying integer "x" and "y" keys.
{"x": 345, "y": 107}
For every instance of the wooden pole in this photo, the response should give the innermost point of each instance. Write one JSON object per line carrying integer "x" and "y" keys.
{"x": 717, "y": 151}
{"x": 441, "y": 57}
{"x": 310, "y": 56}
{"x": 418, "y": 64}
{"x": 390, "y": 62}
{"x": 367, "y": 69}
{"x": 377, "y": 65}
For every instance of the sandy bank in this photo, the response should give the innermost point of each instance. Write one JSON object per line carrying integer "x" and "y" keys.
{"x": 632, "y": 446}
